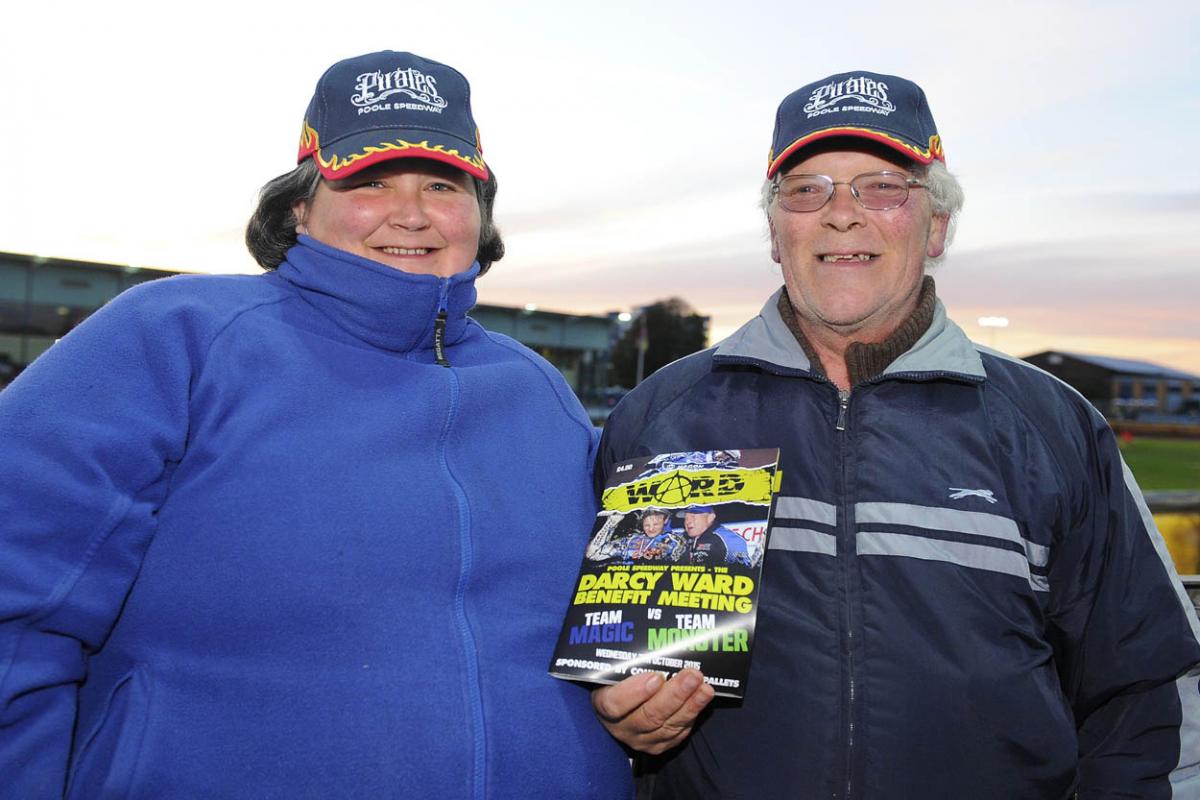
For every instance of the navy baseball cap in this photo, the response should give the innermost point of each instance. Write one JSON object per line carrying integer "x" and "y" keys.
{"x": 867, "y": 105}
{"x": 389, "y": 105}
{"x": 698, "y": 510}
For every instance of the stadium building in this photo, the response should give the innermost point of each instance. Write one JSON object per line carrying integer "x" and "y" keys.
{"x": 43, "y": 298}
{"x": 1124, "y": 388}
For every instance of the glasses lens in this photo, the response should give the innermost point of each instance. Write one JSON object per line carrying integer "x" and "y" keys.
{"x": 804, "y": 192}
{"x": 879, "y": 191}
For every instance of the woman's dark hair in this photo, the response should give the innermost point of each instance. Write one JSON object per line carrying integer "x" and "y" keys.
{"x": 491, "y": 246}
{"x": 271, "y": 231}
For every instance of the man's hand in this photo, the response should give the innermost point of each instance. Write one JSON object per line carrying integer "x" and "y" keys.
{"x": 650, "y": 714}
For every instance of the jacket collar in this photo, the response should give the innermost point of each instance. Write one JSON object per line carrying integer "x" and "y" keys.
{"x": 382, "y": 306}
{"x": 942, "y": 349}
{"x": 765, "y": 339}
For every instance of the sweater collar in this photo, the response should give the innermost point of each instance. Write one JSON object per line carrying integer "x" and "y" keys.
{"x": 941, "y": 349}
{"x": 382, "y": 306}
{"x": 866, "y": 360}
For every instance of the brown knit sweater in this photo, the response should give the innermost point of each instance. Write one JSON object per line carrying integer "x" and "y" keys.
{"x": 864, "y": 361}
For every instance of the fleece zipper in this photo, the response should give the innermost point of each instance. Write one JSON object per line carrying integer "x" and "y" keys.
{"x": 476, "y": 733}
{"x": 439, "y": 323}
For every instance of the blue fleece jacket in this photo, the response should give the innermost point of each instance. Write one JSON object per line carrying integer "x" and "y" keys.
{"x": 257, "y": 543}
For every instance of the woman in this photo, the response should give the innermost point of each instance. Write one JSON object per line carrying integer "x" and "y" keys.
{"x": 285, "y": 535}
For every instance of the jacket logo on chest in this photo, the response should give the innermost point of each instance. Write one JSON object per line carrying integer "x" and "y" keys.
{"x": 959, "y": 494}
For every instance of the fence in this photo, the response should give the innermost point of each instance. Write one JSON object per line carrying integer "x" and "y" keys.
{"x": 1177, "y": 515}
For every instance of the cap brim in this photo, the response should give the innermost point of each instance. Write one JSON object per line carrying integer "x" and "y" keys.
{"x": 925, "y": 155}
{"x": 353, "y": 153}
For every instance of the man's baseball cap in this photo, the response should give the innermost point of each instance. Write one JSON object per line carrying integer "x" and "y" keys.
{"x": 389, "y": 105}
{"x": 698, "y": 510}
{"x": 866, "y": 105}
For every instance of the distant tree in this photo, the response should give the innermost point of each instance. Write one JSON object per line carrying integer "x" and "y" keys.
{"x": 672, "y": 328}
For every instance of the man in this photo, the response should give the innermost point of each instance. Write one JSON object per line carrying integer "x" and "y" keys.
{"x": 966, "y": 597}
{"x": 657, "y": 541}
{"x": 710, "y": 543}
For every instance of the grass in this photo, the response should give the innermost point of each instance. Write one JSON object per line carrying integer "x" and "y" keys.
{"x": 1160, "y": 464}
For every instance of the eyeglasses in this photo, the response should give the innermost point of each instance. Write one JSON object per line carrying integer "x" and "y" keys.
{"x": 875, "y": 191}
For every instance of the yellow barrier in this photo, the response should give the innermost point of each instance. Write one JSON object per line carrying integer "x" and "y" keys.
{"x": 1182, "y": 533}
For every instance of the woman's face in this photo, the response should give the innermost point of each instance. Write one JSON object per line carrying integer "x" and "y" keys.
{"x": 411, "y": 214}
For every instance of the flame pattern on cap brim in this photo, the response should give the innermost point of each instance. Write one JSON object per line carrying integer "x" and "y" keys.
{"x": 932, "y": 153}
{"x": 310, "y": 145}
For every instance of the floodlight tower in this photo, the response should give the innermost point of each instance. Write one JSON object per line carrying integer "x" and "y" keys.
{"x": 992, "y": 323}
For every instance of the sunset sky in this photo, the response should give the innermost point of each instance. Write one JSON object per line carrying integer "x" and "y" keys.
{"x": 630, "y": 141}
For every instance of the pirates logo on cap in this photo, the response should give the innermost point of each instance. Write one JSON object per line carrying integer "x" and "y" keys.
{"x": 884, "y": 108}
{"x": 389, "y": 105}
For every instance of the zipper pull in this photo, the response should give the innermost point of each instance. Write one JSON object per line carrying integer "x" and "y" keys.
{"x": 843, "y": 405}
{"x": 439, "y": 323}
{"x": 439, "y": 338}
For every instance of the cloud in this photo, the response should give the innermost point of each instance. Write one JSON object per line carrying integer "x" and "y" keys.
{"x": 629, "y": 171}
{"x": 1092, "y": 286}
{"x": 1165, "y": 202}
{"x": 719, "y": 273}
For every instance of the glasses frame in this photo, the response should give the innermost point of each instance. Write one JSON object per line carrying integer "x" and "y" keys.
{"x": 910, "y": 183}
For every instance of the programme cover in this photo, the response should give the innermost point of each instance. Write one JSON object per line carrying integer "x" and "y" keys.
{"x": 671, "y": 575}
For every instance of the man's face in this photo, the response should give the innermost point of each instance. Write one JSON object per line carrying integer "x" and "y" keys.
{"x": 696, "y": 524}
{"x": 853, "y": 271}
{"x": 652, "y": 524}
